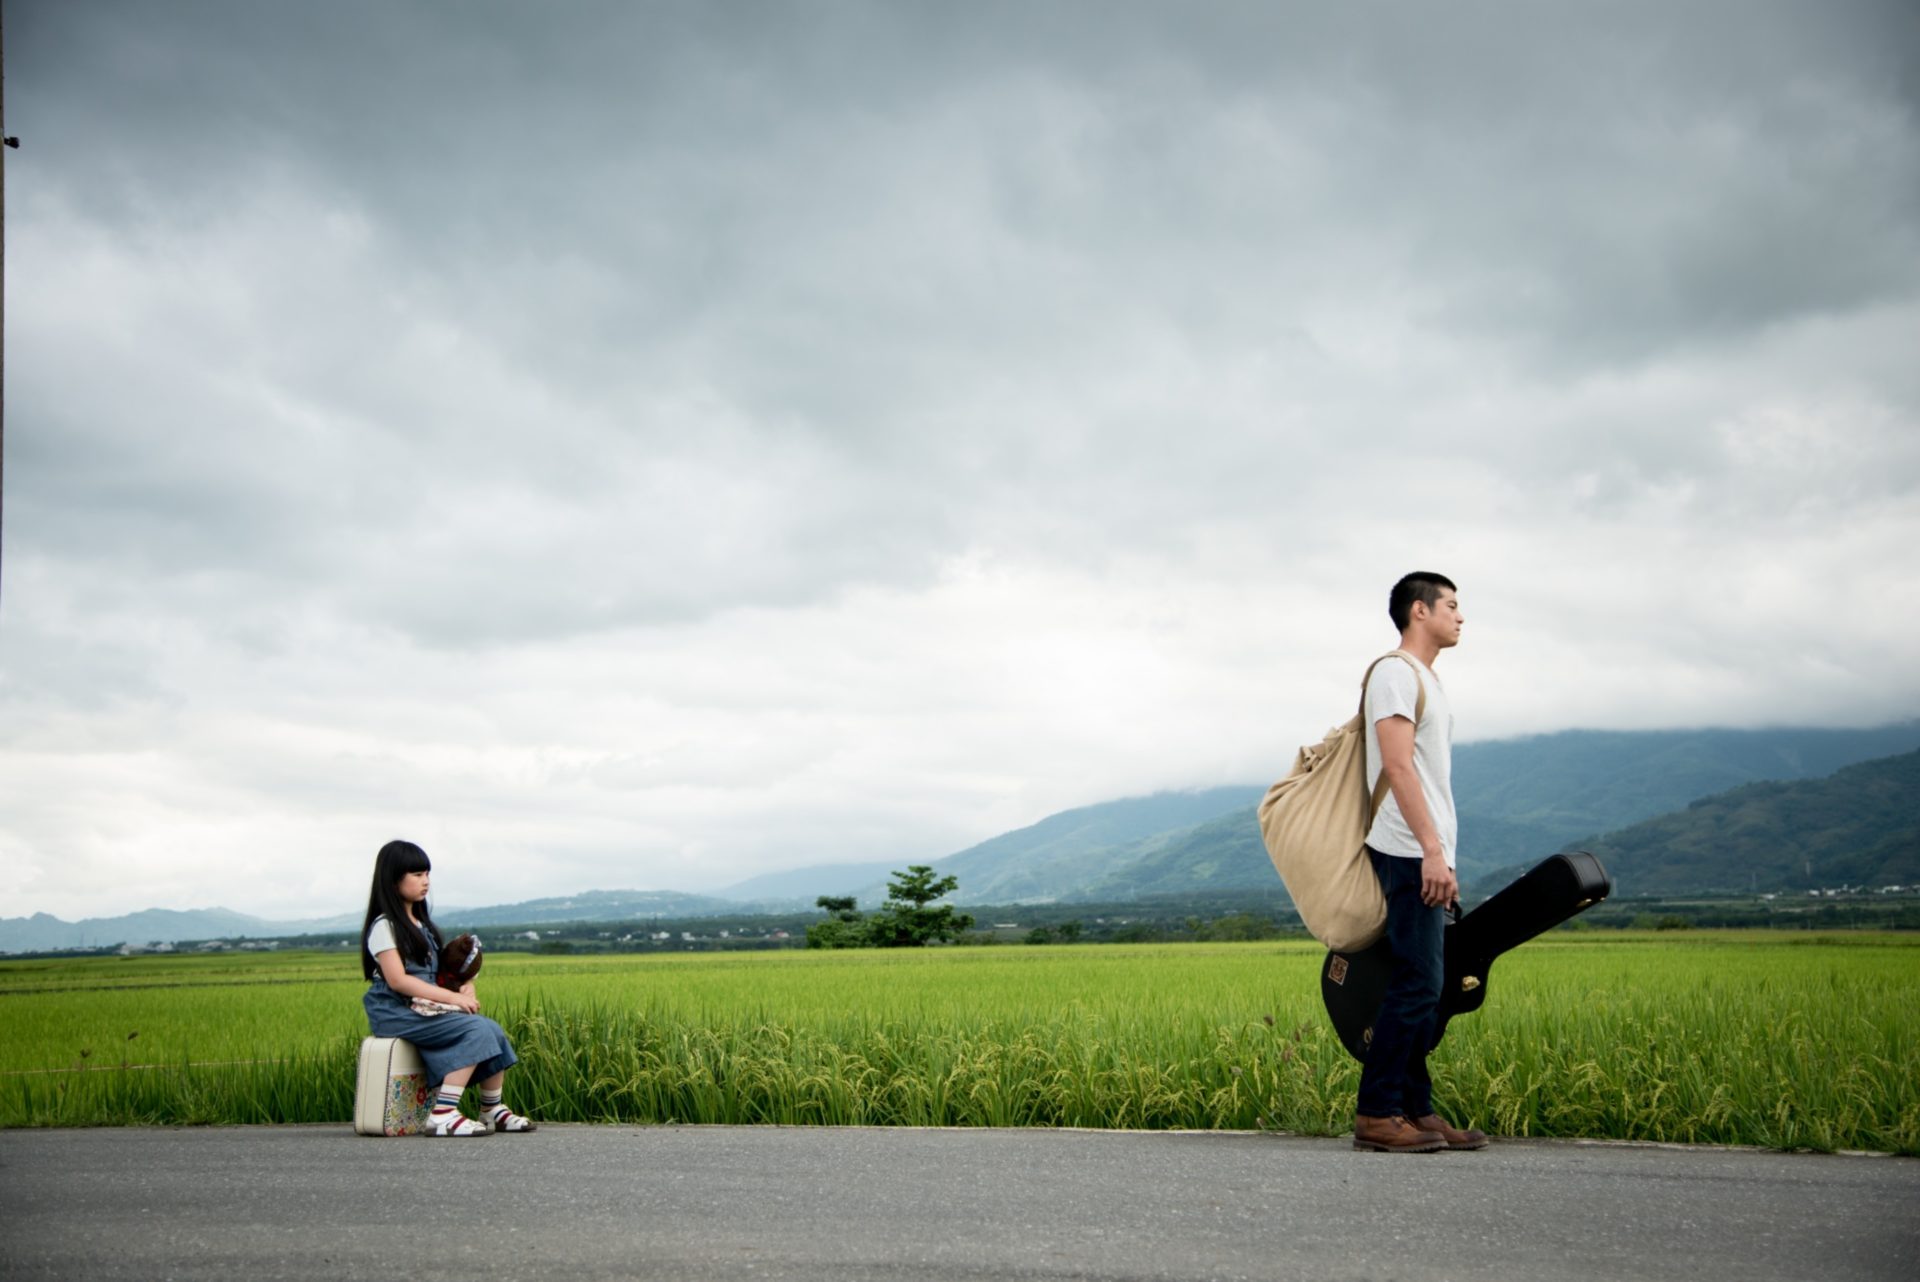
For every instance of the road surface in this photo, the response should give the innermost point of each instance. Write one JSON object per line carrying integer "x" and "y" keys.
{"x": 671, "y": 1202}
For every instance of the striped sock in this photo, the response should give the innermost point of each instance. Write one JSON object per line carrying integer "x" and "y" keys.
{"x": 499, "y": 1116}
{"x": 448, "y": 1101}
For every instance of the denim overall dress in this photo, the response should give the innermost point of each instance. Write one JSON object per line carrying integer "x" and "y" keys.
{"x": 446, "y": 1042}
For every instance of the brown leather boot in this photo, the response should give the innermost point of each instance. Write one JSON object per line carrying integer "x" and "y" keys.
{"x": 1456, "y": 1138}
{"x": 1394, "y": 1135}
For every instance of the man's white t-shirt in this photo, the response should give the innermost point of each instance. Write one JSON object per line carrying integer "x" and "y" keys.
{"x": 1392, "y": 692}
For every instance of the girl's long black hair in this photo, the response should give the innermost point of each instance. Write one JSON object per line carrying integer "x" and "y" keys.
{"x": 396, "y": 860}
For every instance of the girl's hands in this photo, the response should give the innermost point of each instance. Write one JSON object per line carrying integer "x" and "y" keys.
{"x": 464, "y": 999}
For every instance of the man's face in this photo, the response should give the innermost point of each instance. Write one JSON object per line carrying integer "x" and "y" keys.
{"x": 1440, "y": 621}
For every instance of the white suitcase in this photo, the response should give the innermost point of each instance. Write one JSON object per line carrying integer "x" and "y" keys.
{"x": 392, "y": 1095}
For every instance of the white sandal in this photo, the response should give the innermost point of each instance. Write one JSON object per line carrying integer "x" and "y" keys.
{"x": 457, "y": 1125}
{"x": 505, "y": 1119}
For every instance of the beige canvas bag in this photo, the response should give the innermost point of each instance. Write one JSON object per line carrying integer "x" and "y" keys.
{"x": 1315, "y": 824}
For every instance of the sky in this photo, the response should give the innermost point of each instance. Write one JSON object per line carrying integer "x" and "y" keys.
{"x": 647, "y": 445}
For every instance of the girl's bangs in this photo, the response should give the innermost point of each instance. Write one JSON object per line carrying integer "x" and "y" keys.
{"x": 403, "y": 857}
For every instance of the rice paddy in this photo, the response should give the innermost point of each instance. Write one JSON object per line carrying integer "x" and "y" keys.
{"x": 1786, "y": 1041}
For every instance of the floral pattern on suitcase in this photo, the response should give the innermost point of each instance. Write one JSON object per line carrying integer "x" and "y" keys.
{"x": 407, "y": 1104}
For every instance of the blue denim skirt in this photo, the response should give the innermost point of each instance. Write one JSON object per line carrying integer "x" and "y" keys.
{"x": 446, "y": 1042}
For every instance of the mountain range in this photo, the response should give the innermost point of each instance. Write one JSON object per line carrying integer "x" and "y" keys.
{"x": 1519, "y": 800}
{"x": 1858, "y": 827}
{"x": 44, "y": 933}
{"x": 1669, "y": 811}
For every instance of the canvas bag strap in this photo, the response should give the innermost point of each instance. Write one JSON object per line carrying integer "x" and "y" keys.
{"x": 1419, "y": 711}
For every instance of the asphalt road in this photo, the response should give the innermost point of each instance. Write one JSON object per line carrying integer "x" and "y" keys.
{"x": 311, "y": 1202}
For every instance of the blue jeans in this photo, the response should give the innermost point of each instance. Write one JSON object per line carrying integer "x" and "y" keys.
{"x": 1394, "y": 1077}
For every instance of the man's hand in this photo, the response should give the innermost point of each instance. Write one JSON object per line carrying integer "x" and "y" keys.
{"x": 1438, "y": 888}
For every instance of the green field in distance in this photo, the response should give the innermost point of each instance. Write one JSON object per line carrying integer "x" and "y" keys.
{"x": 1789, "y": 1041}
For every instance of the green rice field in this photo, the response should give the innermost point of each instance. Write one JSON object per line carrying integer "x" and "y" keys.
{"x": 1787, "y": 1041}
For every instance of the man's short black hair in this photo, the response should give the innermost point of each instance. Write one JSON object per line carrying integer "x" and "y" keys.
{"x": 1423, "y": 586}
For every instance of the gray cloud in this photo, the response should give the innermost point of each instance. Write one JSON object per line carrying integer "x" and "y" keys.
{"x": 649, "y": 443}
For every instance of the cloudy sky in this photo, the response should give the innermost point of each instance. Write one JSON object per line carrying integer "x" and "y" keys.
{"x": 645, "y": 445}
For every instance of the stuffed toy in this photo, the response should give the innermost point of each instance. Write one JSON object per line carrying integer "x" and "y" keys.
{"x": 459, "y": 962}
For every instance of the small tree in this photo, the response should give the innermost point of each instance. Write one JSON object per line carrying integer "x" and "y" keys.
{"x": 908, "y": 919}
{"x": 840, "y": 907}
{"x": 842, "y": 928}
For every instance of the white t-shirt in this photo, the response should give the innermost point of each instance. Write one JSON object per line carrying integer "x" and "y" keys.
{"x": 380, "y": 937}
{"x": 1392, "y": 692}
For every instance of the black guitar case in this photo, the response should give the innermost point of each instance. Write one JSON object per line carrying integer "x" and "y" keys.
{"x": 1353, "y": 984}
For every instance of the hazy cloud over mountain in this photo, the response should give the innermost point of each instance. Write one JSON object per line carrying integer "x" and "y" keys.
{"x": 647, "y": 445}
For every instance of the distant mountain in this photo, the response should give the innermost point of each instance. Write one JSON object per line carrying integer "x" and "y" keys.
{"x": 804, "y": 885}
{"x": 1224, "y": 853}
{"x": 591, "y": 905}
{"x": 1064, "y": 854}
{"x": 1519, "y": 800}
{"x": 44, "y": 933}
{"x": 1858, "y": 827}
{"x": 1522, "y": 799}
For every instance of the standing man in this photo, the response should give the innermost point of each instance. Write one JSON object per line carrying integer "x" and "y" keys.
{"x": 1411, "y": 845}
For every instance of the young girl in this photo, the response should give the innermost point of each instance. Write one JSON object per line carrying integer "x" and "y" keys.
{"x": 400, "y": 958}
